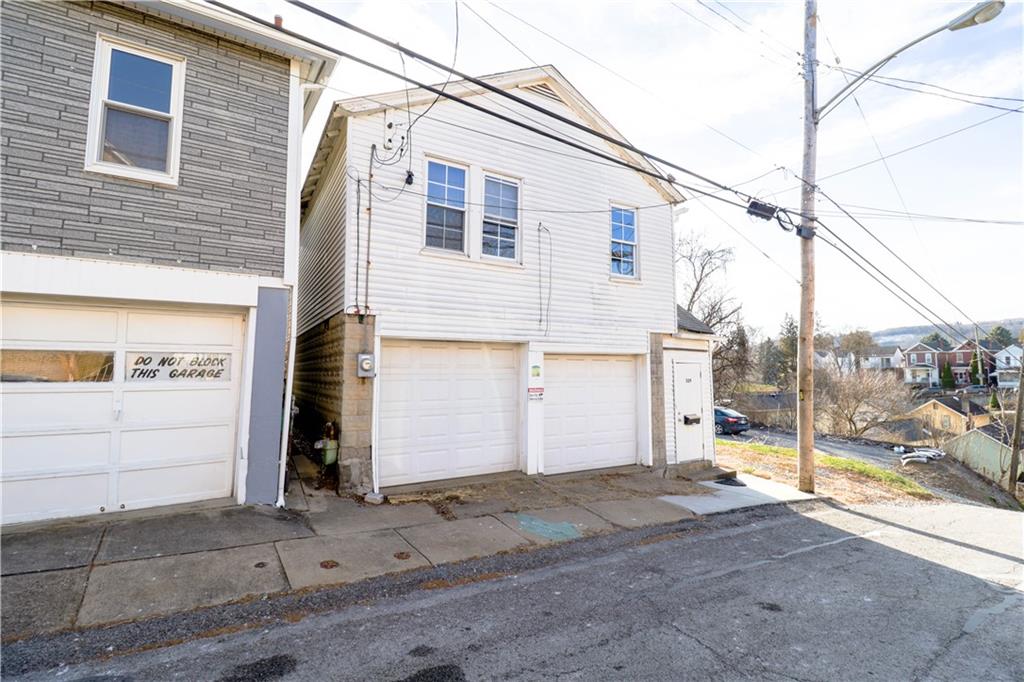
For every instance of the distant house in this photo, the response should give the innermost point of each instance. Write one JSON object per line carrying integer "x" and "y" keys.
{"x": 772, "y": 409}
{"x": 1006, "y": 372}
{"x": 883, "y": 357}
{"x": 921, "y": 366}
{"x": 985, "y": 451}
{"x": 959, "y": 359}
{"x": 948, "y": 416}
{"x": 845, "y": 363}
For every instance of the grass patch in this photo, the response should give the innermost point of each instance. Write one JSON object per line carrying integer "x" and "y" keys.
{"x": 757, "y": 447}
{"x": 875, "y": 473}
{"x": 889, "y": 478}
{"x": 754, "y": 387}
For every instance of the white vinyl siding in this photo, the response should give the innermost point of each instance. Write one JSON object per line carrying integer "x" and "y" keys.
{"x": 135, "y": 112}
{"x": 323, "y": 244}
{"x": 426, "y": 293}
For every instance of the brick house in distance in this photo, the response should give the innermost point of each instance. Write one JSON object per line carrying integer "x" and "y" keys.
{"x": 151, "y": 179}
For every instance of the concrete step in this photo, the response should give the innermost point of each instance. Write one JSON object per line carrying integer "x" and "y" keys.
{"x": 700, "y": 471}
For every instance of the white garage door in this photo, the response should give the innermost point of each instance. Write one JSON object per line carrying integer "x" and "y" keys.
{"x": 110, "y": 408}
{"x": 590, "y": 412}
{"x": 446, "y": 410}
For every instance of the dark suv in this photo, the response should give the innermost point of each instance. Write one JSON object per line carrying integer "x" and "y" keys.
{"x": 730, "y": 421}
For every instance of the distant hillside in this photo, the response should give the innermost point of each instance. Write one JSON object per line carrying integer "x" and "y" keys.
{"x": 907, "y": 336}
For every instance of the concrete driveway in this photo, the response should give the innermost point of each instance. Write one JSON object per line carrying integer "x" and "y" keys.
{"x": 817, "y": 593}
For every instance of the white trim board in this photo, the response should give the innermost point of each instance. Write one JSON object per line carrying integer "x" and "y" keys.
{"x": 26, "y": 273}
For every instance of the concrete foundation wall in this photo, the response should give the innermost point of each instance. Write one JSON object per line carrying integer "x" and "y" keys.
{"x": 327, "y": 389}
{"x": 659, "y": 451}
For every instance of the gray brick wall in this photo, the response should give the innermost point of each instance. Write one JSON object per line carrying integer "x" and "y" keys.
{"x": 227, "y": 213}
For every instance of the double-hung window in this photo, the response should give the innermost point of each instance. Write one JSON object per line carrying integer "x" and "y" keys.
{"x": 623, "y": 243}
{"x": 446, "y": 206}
{"x": 501, "y": 217}
{"x": 135, "y": 113}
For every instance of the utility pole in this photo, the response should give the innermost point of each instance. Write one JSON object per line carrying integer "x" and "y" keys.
{"x": 1018, "y": 422}
{"x": 805, "y": 346}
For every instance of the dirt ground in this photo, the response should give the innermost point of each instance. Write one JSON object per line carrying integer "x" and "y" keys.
{"x": 843, "y": 486}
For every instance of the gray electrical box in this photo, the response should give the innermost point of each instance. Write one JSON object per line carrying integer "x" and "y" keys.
{"x": 691, "y": 419}
{"x": 366, "y": 366}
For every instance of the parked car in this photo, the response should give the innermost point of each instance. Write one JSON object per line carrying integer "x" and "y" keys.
{"x": 730, "y": 421}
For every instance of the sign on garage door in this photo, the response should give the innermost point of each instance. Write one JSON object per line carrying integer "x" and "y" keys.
{"x": 83, "y": 434}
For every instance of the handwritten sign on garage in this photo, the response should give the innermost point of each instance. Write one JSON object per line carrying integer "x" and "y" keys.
{"x": 178, "y": 366}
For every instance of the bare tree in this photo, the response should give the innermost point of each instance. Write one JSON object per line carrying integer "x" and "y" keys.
{"x": 701, "y": 266}
{"x": 853, "y": 403}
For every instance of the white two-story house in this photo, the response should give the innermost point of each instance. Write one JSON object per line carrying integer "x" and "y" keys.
{"x": 474, "y": 298}
{"x": 921, "y": 365}
{"x": 1007, "y": 367}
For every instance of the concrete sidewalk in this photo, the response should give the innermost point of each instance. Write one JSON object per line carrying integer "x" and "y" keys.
{"x": 87, "y": 573}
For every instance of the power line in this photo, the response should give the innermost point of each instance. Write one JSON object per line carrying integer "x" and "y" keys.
{"x": 503, "y": 93}
{"x": 880, "y": 79}
{"x": 878, "y": 147}
{"x": 875, "y": 79}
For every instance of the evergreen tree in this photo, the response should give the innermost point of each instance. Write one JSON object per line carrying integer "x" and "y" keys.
{"x": 789, "y": 336}
{"x": 1000, "y": 336}
{"x": 974, "y": 370}
{"x": 937, "y": 341}
{"x": 946, "y": 377}
{"x": 993, "y": 401}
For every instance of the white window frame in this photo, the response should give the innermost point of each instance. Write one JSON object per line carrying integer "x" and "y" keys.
{"x": 635, "y": 243}
{"x": 98, "y": 101}
{"x": 465, "y": 206}
{"x": 508, "y": 179}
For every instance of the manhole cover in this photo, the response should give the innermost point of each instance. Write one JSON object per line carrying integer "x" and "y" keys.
{"x": 328, "y": 564}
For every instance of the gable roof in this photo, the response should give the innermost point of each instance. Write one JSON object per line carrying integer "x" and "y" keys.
{"x": 924, "y": 346}
{"x": 998, "y": 431}
{"x": 545, "y": 81}
{"x": 954, "y": 403}
{"x": 686, "y": 321}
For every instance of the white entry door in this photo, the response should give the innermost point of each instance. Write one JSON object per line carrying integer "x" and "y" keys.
{"x": 590, "y": 412}
{"x": 447, "y": 410}
{"x": 687, "y": 411}
{"x": 108, "y": 408}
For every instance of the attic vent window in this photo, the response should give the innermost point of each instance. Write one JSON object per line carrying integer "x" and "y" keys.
{"x": 544, "y": 90}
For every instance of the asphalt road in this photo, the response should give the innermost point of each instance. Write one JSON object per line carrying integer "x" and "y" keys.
{"x": 928, "y": 592}
{"x": 875, "y": 454}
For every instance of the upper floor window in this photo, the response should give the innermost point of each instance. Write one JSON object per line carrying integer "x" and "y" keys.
{"x": 959, "y": 357}
{"x": 446, "y": 206}
{"x": 623, "y": 247}
{"x": 501, "y": 217}
{"x": 927, "y": 357}
{"x": 135, "y": 113}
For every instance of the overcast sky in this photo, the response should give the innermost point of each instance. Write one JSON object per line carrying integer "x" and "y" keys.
{"x": 696, "y": 69}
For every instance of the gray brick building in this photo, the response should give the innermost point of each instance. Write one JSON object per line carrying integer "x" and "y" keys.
{"x": 150, "y": 176}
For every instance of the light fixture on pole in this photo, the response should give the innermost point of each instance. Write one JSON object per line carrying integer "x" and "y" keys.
{"x": 979, "y": 14}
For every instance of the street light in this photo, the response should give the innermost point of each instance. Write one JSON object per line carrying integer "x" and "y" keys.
{"x": 979, "y": 14}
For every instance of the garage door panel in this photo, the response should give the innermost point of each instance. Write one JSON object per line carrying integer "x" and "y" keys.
{"x": 41, "y": 323}
{"x": 178, "y": 405}
{"x": 22, "y": 454}
{"x": 56, "y": 409}
{"x": 589, "y": 412}
{"x": 462, "y": 421}
{"x": 53, "y": 497}
{"x": 176, "y": 330}
{"x": 71, "y": 447}
{"x": 168, "y": 485}
{"x": 147, "y": 445}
